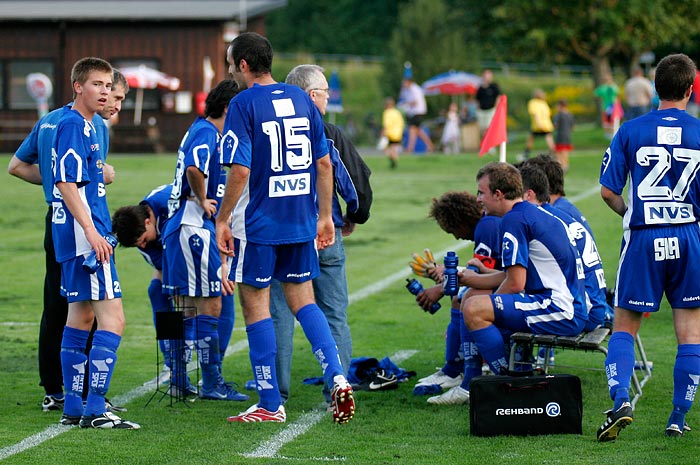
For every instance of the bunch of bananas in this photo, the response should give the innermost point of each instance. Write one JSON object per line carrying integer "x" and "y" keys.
{"x": 421, "y": 264}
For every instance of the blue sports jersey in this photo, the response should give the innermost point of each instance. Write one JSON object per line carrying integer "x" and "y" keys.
{"x": 592, "y": 265}
{"x": 562, "y": 203}
{"x": 660, "y": 153}
{"x": 487, "y": 241}
{"x": 78, "y": 160}
{"x": 199, "y": 148}
{"x": 539, "y": 242}
{"x": 277, "y": 132}
{"x": 157, "y": 200}
{"x": 36, "y": 147}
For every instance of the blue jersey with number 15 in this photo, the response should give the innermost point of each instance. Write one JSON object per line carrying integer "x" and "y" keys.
{"x": 277, "y": 132}
{"x": 660, "y": 152}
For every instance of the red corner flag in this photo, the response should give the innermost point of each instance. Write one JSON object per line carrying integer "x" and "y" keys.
{"x": 496, "y": 133}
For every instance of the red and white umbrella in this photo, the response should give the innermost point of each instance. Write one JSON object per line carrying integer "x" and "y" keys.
{"x": 452, "y": 83}
{"x": 144, "y": 77}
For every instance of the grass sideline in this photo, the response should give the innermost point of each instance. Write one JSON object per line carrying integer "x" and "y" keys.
{"x": 390, "y": 427}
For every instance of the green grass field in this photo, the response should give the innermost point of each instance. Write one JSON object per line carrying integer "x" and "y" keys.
{"x": 393, "y": 427}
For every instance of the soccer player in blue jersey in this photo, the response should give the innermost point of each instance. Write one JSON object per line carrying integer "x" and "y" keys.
{"x": 192, "y": 265}
{"x": 542, "y": 287}
{"x": 351, "y": 176}
{"x": 659, "y": 153}
{"x": 460, "y": 214}
{"x": 141, "y": 226}
{"x": 280, "y": 191}
{"x": 80, "y": 221}
{"x": 536, "y": 190}
{"x": 32, "y": 163}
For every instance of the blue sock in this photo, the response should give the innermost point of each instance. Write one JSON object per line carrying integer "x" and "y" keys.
{"x": 686, "y": 374}
{"x": 160, "y": 303}
{"x": 453, "y": 358}
{"x": 226, "y": 319}
{"x": 73, "y": 362}
{"x": 315, "y": 326}
{"x": 263, "y": 350}
{"x": 618, "y": 367}
{"x": 103, "y": 358}
{"x": 208, "y": 350}
{"x": 490, "y": 344}
{"x": 472, "y": 358}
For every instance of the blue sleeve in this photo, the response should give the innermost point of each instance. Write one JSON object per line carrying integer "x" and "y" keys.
{"x": 28, "y": 151}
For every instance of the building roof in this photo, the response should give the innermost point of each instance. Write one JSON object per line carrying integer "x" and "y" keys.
{"x": 135, "y": 10}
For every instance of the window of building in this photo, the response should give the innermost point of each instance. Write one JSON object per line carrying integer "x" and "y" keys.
{"x": 18, "y": 96}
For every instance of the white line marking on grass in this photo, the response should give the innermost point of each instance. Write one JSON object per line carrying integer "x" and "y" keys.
{"x": 270, "y": 448}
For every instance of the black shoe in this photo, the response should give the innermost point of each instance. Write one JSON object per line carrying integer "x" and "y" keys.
{"x": 52, "y": 403}
{"x": 616, "y": 422}
{"x": 69, "y": 420}
{"x": 113, "y": 408}
{"x": 107, "y": 420}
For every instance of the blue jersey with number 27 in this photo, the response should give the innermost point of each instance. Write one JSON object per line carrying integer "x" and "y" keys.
{"x": 277, "y": 132}
{"x": 660, "y": 152}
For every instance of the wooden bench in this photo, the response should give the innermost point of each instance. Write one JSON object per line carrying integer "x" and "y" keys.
{"x": 588, "y": 342}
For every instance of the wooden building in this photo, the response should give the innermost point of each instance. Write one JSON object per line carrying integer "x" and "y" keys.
{"x": 179, "y": 38}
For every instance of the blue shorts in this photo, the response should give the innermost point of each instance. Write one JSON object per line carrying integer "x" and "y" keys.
{"x": 533, "y": 313}
{"x": 658, "y": 260}
{"x": 256, "y": 264}
{"x": 191, "y": 262}
{"x": 77, "y": 285}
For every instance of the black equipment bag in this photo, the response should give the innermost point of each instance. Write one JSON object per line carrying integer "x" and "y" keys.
{"x": 521, "y": 406}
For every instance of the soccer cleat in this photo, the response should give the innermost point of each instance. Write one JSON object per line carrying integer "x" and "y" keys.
{"x": 223, "y": 391}
{"x": 69, "y": 420}
{"x": 674, "y": 431}
{"x": 258, "y": 414}
{"x": 113, "y": 408}
{"x": 342, "y": 400}
{"x": 615, "y": 422}
{"x": 441, "y": 379}
{"x": 107, "y": 420}
{"x": 52, "y": 403}
{"x": 455, "y": 396}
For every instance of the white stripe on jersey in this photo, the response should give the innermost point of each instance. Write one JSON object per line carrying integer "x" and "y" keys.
{"x": 82, "y": 245}
{"x": 79, "y": 168}
{"x": 198, "y": 161}
{"x": 238, "y": 215}
{"x": 552, "y": 278}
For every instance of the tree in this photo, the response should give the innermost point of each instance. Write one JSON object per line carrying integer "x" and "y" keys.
{"x": 353, "y": 27}
{"x": 430, "y": 36}
{"x": 550, "y": 31}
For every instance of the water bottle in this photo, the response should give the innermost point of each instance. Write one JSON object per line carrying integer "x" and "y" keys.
{"x": 451, "y": 281}
{"x": 415, "y": 287}
{"x": 91, "y": 264}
